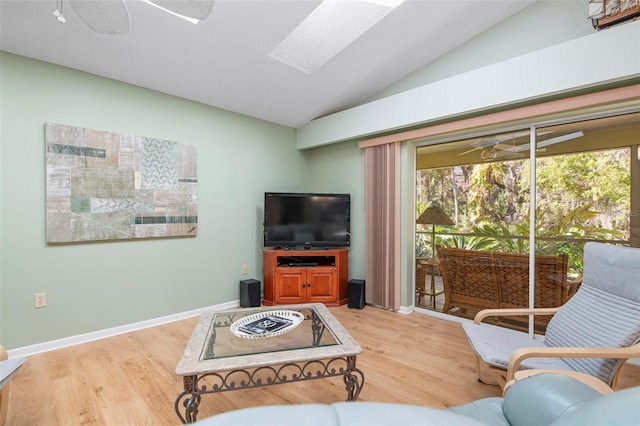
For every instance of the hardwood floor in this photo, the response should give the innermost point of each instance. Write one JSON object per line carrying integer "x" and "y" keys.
{"x": 130, "y": 379}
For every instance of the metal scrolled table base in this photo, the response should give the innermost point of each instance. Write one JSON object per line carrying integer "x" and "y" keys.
{"x": 195, "y": 387}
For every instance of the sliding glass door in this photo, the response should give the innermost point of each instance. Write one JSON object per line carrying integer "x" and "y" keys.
{"x": 507, "y": 205}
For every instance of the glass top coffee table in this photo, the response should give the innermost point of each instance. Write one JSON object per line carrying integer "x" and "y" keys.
{"x": 217, "y": 360}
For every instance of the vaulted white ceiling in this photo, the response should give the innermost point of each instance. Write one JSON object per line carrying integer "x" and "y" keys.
{"x": 224, "y": 60}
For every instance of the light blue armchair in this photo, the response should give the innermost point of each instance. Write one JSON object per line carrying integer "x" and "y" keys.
{"x": 8, "y": 368}
{"x": 594, "y": 333}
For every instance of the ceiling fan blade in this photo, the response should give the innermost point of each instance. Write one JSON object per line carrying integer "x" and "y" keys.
{"x": 482, "y": 143}
{"x": 509, "y": 155}
{"x": 471, "y": 150}
{"x": 517, "y": 148}
{"x": 506, "y": 147}
{"x": 104, "y": 17}
{"x": 197, "y": 9}
{"x": 542, "y": 144}
{"x": 559, "y": 139}
{"x": 495, "y": 141}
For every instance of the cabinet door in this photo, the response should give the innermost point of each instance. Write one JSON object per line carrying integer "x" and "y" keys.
{"x": 290, "y": 285}
{"x": 323, "y": 285}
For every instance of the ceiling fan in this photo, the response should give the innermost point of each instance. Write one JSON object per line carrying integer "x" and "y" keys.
{"x": 498, "y": 146}
{"x": 112, "y": 16}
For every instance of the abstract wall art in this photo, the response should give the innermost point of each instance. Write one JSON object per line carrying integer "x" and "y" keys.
{"x": 108, "y": 186}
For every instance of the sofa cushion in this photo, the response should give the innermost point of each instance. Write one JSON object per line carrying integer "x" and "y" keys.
{"x": 275, "y": 415}
{"x": 385, "y": 414}
{"x": 340, "y": 413}
{"x": 621, "y": 408}
{"x": 487, "y": 410}
{"x": 543, "y": 398}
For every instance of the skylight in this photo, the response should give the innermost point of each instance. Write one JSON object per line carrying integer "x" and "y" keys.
{"x": 330, "y": 28}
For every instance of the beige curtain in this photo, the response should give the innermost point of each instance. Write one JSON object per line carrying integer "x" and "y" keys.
{"x": 382, "y": 225}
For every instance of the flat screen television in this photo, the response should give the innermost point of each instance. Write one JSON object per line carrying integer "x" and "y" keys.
{"x": 307, "y": 220}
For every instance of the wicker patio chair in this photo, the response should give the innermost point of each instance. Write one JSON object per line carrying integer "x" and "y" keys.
{"x": 469, "y": 279}
{"x": 594, "y": 332}
{"x": 475, "y": 280}
{"x": 551, "y": 286}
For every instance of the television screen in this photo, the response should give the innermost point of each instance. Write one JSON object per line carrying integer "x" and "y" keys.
{"x": 309, "y": 220}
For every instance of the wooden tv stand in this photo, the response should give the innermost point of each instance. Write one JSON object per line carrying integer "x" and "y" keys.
{"x": 305, "y": 276}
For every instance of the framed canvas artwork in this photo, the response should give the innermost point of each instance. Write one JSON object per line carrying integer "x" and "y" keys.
{"x": 108, "y": 186}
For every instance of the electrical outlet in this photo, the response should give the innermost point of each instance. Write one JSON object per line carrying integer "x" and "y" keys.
{"x": 40, "y": 300}
{"x": 244, "y": 269}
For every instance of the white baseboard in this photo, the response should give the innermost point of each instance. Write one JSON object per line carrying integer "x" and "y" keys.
{"x": 405, "y": 309}
{"x": 110, "y": 332}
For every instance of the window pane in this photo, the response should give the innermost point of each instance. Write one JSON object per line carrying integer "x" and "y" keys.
{"x": 583, "y": 192}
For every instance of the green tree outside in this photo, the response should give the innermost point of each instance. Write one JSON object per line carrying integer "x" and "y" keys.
{"x": 579, "y": 196}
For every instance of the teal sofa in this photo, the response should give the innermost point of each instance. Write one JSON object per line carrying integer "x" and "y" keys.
{"x": 539, "y": 400}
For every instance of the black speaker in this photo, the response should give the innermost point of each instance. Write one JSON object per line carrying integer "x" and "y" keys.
{"x": 249, "y": 293}
{"x": 355, "y": 294}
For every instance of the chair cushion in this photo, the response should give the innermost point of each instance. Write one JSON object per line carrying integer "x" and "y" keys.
{"x": 495, "y": 344}
{"x": 595, "y": 318}
{"x": 8, "y": 368}
{"x": 604, "y": 312}
{"x": 613, "y": 269}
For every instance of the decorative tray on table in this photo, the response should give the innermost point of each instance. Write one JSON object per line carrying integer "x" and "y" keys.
{"x": 266, "y": 324}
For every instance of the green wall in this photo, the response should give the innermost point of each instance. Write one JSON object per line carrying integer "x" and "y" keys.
{"x": 94, "y": 286}
{"x": 339, "y": 168}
